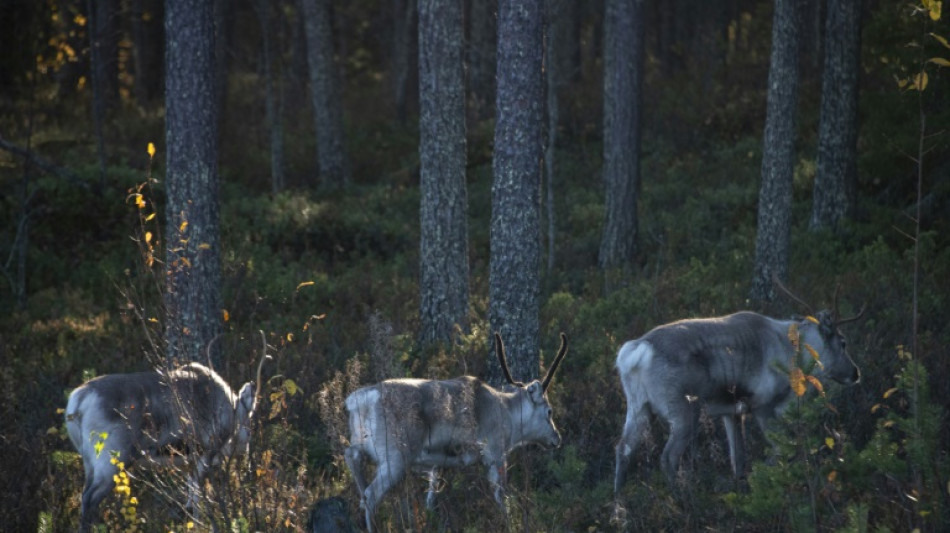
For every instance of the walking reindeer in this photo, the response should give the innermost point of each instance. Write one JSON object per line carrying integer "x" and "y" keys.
{"x": 420, "y": 424}
{"x": 730, "y": 364}
{"x": 165, "y": 417}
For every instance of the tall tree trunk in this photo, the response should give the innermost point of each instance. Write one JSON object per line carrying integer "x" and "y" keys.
{"x": 148, "y": 49}
{"x": 623, "y": 79}
{"x": 556, "y": 65}
{"x": 193, "y": 254}
{"x": 404, "y": 15}
{"x": 481, "y": 56}
{"x": 443, "y": 254}
{"x": 332, "y": 159}
{"x": 778, "y": 153}
{"x": 272, "y": 93}
{"x": 514, "y": 279}
{"x": 836, "y": 176}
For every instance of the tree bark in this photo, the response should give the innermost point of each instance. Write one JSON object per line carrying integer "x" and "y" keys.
{"x": 272, "y": 93}
{"x": 778, "y": 154}
{"x": 443, "y": 254}
{"x": 514, "y": 278}
{"x": 193, "y": 255}
{"x": 623, "y": 79}
{"x": 332, "y": 160}
{"x": 836, "y": 176}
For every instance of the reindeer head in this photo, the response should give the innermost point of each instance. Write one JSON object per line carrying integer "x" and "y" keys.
{"x": 245, "y": 406}
{"x": 820, "y": 331}
{"x": 536, "y": 417}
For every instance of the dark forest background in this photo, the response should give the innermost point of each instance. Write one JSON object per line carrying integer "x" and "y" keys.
{"x": 328, "y": 178}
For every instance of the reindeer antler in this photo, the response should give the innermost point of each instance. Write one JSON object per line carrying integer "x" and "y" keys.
{"x": 503, "y": 359}
{"x": 779, "y": 286}
{"x": 561, "y": 352}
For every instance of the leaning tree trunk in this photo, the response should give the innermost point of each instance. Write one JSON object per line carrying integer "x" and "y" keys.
{"x": 514, "y": 278}
{"x": 778, "y": 154}
{"x": 443, "y": 250}
{"x": 193, "y": 254}
{"x": 836, "y": 176}
{"x": 332, "y": 159}
{"x": 623, "y": 78}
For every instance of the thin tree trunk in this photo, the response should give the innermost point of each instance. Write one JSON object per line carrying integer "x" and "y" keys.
{"x": 332, "y": 159}
{"x": 514, "y": 279}
{"x": 443, "y": 254}
{"x": 193, "y": 256}
{"x": 404, "y": 14}
{"x": 272, "y": 94}
{"x": 623, "y": 80}
{"x": 836, "y": 175}
{"x": 778, "y": 154}
{"x": 481, "y": 56}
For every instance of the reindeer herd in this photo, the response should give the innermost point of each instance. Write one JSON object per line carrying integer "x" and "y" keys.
{"x": 731, "y": 366}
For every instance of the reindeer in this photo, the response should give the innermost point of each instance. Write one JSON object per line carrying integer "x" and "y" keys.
{"x": 427, "y": 424}
{"x": 731, "y": 364}
{"x": 161, "y": 417}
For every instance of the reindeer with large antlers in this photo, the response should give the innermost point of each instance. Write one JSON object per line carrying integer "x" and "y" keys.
{"x": 403, "y": 424}
{"x": 732, "y": 365}
{"x": 151, "y": 417}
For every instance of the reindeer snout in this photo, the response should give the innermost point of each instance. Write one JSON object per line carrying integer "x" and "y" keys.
{"x": 555, "y": 441}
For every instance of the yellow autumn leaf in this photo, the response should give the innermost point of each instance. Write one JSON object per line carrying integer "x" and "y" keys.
{"x": 304, "y": 284}
{"x": 186, "y": 262}
{"x": 832, "y": 476}
{"x": 814, "y": 355}
{"x": 817, "y": 384}
{"x": 830, "y": 442}
{"x": 941, "y": 40}
{"x": 290, "y": 337}
{"x": 150, "y": 217}
{"x": 148, "y": 236}
{"x": 812, "y": 319}
{"x": 225, "y": 315}
{"x": 204, "y": 246}
{"x": 139, "y": 200}
{"x": 935, "y": 8}
{"x": 920, "y": 82}
{"x": 290, "y": 386}
{"x": 942, "y": 61}
{"x": 151, "y": 149}
{"x": 875, "y": 407}
{"x": 889, "y": 392}
{"x": 888, "y": 423}
{"x": 796, "y": 379}
{"x": 183, "y": 227}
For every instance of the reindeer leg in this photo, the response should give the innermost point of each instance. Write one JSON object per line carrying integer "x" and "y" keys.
{"x": 390, "y": 470}
{"x": 682, "y": 430}
{"x": 354, "y": 461}
{"x": 736, "y": 444}
{"x": 433, "y": 488}
{"x": 632, "y": 431}
{"x": 497, "y": 472}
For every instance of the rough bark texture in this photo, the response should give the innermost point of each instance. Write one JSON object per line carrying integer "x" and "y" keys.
{"x": 193, "y": 257}
{"x": 623, "y": 75}
{"x": 443, "y": 254}
{"x": 332, "y": 159}
{"x": 838, "y": 130}
{"x": 514, "y": 279}
{"x": 778, "y": 154}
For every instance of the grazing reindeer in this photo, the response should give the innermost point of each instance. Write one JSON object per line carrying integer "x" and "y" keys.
{"x": 731, "y": 364}
{"x": 426, "y": 425}
{"x": 146, "y": 415}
